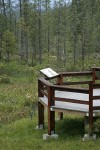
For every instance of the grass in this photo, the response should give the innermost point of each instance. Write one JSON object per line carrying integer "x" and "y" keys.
{"x": 22, "y": 134}
{"x": 18, "y": 115}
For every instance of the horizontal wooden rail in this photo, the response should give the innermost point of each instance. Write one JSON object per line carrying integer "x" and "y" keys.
{"x": 97, "y": 78}
{"x": 74, "y": 83}
{"x": 47, "y": 78}
{"x": 45, "y": 82}
{"x": 96, "y": 97}
{"x": 85, "y": 73}
{"x": 96, "y": 68}
{"x": 71, "y": 100}
{"x": 96, "y": 108}
{"x": 69, "y": 89}
{"x": 96, "y": 86}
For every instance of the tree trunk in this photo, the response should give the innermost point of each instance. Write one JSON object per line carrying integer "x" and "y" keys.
{"x": 40, "y": 40}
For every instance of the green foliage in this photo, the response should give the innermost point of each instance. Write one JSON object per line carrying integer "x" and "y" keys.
{"x": 5, "y": 79}
{"x": 8, "y": 43}
{"x": 97, "y": 125}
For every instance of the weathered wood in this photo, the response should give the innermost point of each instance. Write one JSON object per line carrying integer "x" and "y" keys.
{"x": 40, "y": 106}
{"x": 54, "y": 102}
{"x": 45, "y": 82}
{"x": 69, "y": 89}
{"x": 96, "y": 86}
{"x": 60, "y": 82}
{"x": 75, "y": 83}
{"x": 90, "y": 108}
{"x": 51, "y": 114}
{"x": 97, "y": 78}
{"x": 85, "y": 73}
{"x": 71, "y": 100}
{"x": 96, "y": 108}
{"x": 59, "y": 79}
{"x": 93, "y": 75}
{"x": 40, "y": 114}
{"x": 96, "y": 97}
{"x": 96, "y": 68}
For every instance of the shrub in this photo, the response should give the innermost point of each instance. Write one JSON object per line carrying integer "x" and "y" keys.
{"x": 97, "y": 125}
{"x": 5, "y": 79}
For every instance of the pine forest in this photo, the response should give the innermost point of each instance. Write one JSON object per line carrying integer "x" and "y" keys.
{"x": 63, "y": 34}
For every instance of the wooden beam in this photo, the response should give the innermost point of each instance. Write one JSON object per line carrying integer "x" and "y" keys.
{"x": 71, "y": 100}
{"x": 51, "y": 114}
{"x": 40, "y": 106}
{"x": 90, "y": 108}
{"x": 69, "y": 89}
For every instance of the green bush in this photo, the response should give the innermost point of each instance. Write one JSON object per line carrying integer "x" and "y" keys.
{"x": 5, "y": 79}
{"x": 97, "y": 125}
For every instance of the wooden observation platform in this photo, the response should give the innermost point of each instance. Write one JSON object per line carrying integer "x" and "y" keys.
{"x": 60, "y": 94}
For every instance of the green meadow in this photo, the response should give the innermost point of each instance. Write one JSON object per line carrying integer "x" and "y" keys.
{"x": 19, "y": 116}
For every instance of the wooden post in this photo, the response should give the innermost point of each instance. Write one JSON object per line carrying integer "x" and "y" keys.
{"x": 51, "y": 114}
{"x": 40, "y": 107}
{"x": 93, "y": 75}
{"x": 60, "y": 82}
{"x": 60, "y": 79}
{"x": 90, "y": 108}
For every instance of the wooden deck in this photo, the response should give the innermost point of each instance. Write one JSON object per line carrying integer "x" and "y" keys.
{"x": 65, "y": 106}
{"x": 62, "y": 97}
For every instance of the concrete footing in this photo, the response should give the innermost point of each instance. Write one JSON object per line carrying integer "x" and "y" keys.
{"x": 46, "y": 136}
{"x": 89, "y": 137}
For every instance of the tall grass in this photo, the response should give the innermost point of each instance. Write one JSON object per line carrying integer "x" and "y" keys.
{"x": 22, "y": 134}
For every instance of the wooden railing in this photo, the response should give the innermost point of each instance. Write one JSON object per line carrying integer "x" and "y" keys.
{"x": 95, "y": 70}
{"x": 45, "y": 88}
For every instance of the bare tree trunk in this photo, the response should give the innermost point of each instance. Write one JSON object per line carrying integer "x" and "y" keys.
{"x": 40, "y": 40}
{"x": 83, "y": 47}
{"x": 10, "y": 15}
{"x": 21, "y": 40}
{"x": 0, "y": 45}
{"x": 75, "y": 36}
{"x": 4, "y": 11}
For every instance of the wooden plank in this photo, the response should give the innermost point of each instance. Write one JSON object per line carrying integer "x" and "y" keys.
{"x": 69, "y": 89}
{"x": 40, "y": 114}
{"x": 90, "y": 108}
{"x": 64, "y": 106}
{"x": 75, "y": 83}
{"x": 40, "y": 106}
{"x": 51, "y": 114}
{"x": 71, "y": 100}
{"x": 96, "y": 97}
{"x": 45, "y": 82}
{"x": 96, "y": 68}
{"x": 96, "y": 86}
{"x": 57, "y": 109}
{"x": 85, "y": 73}
{"x": 43, "y": 102}
{"x": 96, "y": 107}
{"x": 97, "y": 78}
{"x": 93, "y": 75}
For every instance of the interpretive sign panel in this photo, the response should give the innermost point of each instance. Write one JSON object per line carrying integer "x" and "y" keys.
{"x": 49, "y": 72}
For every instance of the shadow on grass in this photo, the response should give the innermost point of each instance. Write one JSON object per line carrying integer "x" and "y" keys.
{"x": 70, "y": 127}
